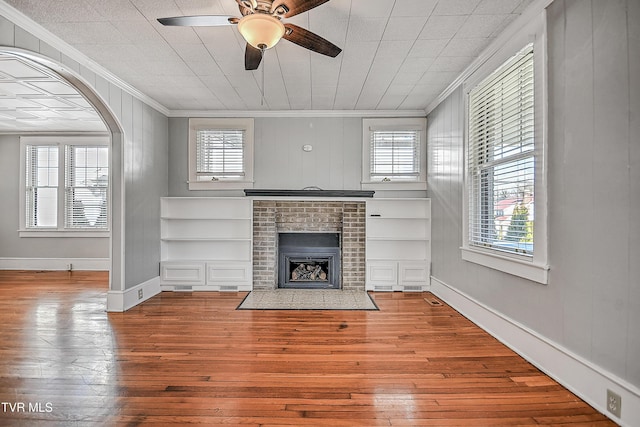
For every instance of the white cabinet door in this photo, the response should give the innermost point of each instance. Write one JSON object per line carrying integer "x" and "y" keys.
{"x": 413, "y": 276}
{"x": 229, "y": 276}
{"x": 382, "y": 275}
{"x": 182, "y": 273}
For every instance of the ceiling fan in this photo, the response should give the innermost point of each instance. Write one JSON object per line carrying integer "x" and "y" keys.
{"x": 262, "y": 28}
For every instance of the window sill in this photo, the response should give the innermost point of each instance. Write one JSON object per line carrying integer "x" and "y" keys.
{"x": 526, "y": 269}
{"x": 220, "y": 185}
{"x": 64, "y": 233}
{"x": 394, "y": 185}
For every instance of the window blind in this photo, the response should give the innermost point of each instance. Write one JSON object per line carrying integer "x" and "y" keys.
{"x": 41, "y": 186}
{"x": 395, "y": 153}
{"x": 501, "y": 158}
{"x": 87, "y": 180}
{"x": 220, "y": 153}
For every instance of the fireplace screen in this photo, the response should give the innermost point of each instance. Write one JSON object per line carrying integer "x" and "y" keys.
{"x": 309, "y": 260}
{"x": 302, "y": 270}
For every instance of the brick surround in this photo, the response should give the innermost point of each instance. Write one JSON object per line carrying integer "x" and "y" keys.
{"x": 271, "y": 217}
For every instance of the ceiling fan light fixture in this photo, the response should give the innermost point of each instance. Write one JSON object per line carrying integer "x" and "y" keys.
{"x": 260, "y": 29}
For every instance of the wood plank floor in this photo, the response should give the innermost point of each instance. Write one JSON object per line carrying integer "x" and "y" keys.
{"x": 191, "y": 358}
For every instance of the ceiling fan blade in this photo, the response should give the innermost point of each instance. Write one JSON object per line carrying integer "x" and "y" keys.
{"x": 199, "y": 20}
{"x": 252, "y": 58}
{"x": 309, "y": 40}
{"x": 295, "y": 7}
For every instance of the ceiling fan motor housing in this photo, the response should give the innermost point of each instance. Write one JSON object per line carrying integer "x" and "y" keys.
{"x": 262, "y": 6}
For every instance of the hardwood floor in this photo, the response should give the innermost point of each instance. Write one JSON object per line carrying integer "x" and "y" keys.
{"x": 191, "y": 358}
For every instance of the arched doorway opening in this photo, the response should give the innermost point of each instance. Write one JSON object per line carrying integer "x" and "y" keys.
{"x": 39, "y": 96}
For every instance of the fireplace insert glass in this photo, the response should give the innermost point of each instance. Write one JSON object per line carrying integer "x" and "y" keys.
{"x": 309, "y": 260}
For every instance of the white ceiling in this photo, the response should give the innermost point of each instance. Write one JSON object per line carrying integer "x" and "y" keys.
{"x": 33, "y": 99}
{"x": 397, "y": 54}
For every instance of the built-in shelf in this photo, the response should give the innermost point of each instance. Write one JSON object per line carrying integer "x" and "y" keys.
{"x": 398, "y": 244}
{"x": 206, "y": 244}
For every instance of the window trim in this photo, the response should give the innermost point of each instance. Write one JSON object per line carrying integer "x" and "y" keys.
{"x": 399, "y": 124}
{"x": 533, "y": 268}
{"x": 245, "y": 124}
{"x": 60, "y": 231}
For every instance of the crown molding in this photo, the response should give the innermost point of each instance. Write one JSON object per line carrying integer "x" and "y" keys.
{"x": 297, "y": 113}
{"x": 529, "y": 14}
{"x": 29, "y": 25}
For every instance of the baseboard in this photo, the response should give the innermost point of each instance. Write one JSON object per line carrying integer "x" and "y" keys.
{"x": 119, "y": 301}
{"x": 53, "y": 264}
{"x": 580, "y": 376}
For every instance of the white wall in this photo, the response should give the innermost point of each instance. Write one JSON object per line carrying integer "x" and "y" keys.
{"x": 11, "y": 245}
{"x": 335, "y": 163}
{"x": 591, "y": 306}
{"x": 139, "y": 159}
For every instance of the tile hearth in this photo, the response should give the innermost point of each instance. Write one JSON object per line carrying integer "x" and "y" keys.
{"x": 307, "y": 299}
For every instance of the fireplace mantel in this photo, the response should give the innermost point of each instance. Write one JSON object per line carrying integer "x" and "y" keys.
{"x": 307, "y": 193}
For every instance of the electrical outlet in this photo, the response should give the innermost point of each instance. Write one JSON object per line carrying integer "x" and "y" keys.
{"x": 139, "y": 293}
{"x": 614, "y": 403}
{"x": 69, "y": 267}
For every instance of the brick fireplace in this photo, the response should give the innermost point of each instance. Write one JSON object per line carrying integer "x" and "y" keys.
{"x": 272, "y": 217}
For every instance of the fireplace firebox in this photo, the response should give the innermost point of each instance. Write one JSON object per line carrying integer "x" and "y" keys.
{"x": 309, "y": 260}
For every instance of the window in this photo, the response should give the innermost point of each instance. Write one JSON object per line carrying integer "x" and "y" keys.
{"x": 505, "y": 198}
{"x": 87, "y": 182}
{"x": 393, "y": 153}
{"x": 501, "y": 158}
{"x": 65, "y": 184}
{"x": 221, "y": 154}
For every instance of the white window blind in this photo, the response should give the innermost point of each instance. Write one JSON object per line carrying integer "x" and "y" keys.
{"x": 220, "y": 153}
{"x": 41, "y": 186}
{"x": 395, "y": 154}
{"x": 66, "y": 184}
{"x": 501, "y": 158}
{"x": 87, "y": 180}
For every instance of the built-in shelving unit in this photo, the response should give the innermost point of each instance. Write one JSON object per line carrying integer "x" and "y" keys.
{"x": 206, "y": 244}
{"x": 398, "y": 244}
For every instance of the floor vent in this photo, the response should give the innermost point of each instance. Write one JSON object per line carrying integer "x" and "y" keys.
{"x": 183, "y": 288}
{"x": 383, "y": 288}
{"x": 229, "y": 288}
{"x": 433, "y": 301}
{"x": 416, "y": 288}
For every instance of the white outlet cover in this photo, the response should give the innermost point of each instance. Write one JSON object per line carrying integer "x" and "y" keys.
{"x": 307, "y": 148}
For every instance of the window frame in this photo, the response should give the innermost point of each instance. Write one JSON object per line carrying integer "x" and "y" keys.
{"x": 369, "y": 126}
{"x": 62, "y": 142}
{"x": 244, "y": 124}
{"x": 535, "y": 267}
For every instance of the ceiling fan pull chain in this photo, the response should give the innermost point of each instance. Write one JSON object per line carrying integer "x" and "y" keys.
{"x": 262, "y": 48}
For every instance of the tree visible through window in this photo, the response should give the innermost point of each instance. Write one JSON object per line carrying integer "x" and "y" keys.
{"x": 501, "y": 160}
